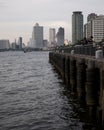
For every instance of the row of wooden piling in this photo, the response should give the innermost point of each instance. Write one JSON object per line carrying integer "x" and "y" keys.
{"x": 84, "y": 77}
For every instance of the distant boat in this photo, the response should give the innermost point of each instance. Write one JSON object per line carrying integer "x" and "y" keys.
{"x": 24, "y": 50}
{"x": 27, "y": 50}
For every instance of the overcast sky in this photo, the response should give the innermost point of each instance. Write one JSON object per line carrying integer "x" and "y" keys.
{"x": 17, "y": 17}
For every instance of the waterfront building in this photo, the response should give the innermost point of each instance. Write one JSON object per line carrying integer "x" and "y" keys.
{"x": 77, "y": 26}
{"x": 20, "y": 43}
{"x": 13, "y": 45}
{"x": 4, "y": 44}
{"x": 91, "y": 17}
{"x": 37, "y": 36}
{"x": 85, "y": 30}
{"x": 98, "y": 28}
{"x": 95, "y": 27}
{"x": 88, "y": 27}
{"x": 60, "y": 37}
{"x": 30, "y": 43}
{"x": 52, "y": 34}
{"x": 45, "y": 43}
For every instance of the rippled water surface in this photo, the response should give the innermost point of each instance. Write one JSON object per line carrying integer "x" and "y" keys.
{"x": 32, "y": 96}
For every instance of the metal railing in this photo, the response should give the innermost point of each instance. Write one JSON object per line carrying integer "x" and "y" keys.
{"x": 80, "y": 49}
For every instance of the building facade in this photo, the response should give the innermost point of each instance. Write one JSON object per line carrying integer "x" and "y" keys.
{"x": 98, "y": 28}
{"x": 52, "y": 35}
{"x": 77, "y": 26}
{"x": 20, "y": 43}
{"x": 95, "y": 27}
{"x": 60, "y": 37}
{"x": 4, "y": 44}
{"x": 88, "y": 27}
{"x": 37, "y": 36}
{"x": 91, "y": 16}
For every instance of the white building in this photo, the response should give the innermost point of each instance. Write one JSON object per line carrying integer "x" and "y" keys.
{"x": 37, "y": 36}
{"x": 88, "y": 27}
{"x": 52, "y": 35}
{"x": 98, "y": 28}
{"x": 4, "y": 44}
{"x": 95, "y": 28}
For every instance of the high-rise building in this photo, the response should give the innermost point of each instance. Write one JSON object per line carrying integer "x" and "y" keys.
{"x": 37, "y": 36}
{"x": 91, "y": 16}
{"x": 4, "y": 44}
{"x": 60, "y": 36}
{"x": 13, "y": 45}
{"x": 45, "y": 43}
{"x": 52, "y": 35}
{"x": 20, "y": 43}
{"x": 88, "y": 29}
{"x": 95, "y": 27}
{"x": 77, "y": 26}
{"x": 88, "y": 26}
{"x": 98, "y": 28}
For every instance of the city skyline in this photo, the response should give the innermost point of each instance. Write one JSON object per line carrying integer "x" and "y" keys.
{"x": 18, "y": 17}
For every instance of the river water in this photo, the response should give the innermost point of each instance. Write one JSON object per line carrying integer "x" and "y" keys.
{"x": 33, "y": 96}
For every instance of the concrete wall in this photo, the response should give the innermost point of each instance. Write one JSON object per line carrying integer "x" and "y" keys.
{"x": 84, "y": 76}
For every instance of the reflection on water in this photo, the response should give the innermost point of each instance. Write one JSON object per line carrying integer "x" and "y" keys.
{"x": 33, "y": 97}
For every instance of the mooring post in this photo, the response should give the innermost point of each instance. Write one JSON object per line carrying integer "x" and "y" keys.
{"x": 91, "y": 90}
{"x": 102, "y": 95}
{"x": 67, "y": 70}
{"x": 73, "y": 75}
{"x": 62, "y": 64}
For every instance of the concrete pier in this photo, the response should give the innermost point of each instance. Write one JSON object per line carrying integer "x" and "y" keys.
{"x": 81, "y": 80}
{"x": 84, "y": 76}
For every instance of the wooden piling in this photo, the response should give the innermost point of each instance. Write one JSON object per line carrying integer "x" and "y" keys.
{"x": 81, "y": 77}
{"x": 73, "y": 76}
{"x": 67, "y": 70}
{"x": 85, "y": 77}
{"x": 91, "y": 91}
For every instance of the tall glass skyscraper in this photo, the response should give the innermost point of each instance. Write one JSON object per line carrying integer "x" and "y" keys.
{"x": 52, "y": 35}
{"x": 37, "y": 36}
{"x": 77, "y": 26}
{"x": 60, "y": 36}
{"x": 20, "y": 43}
